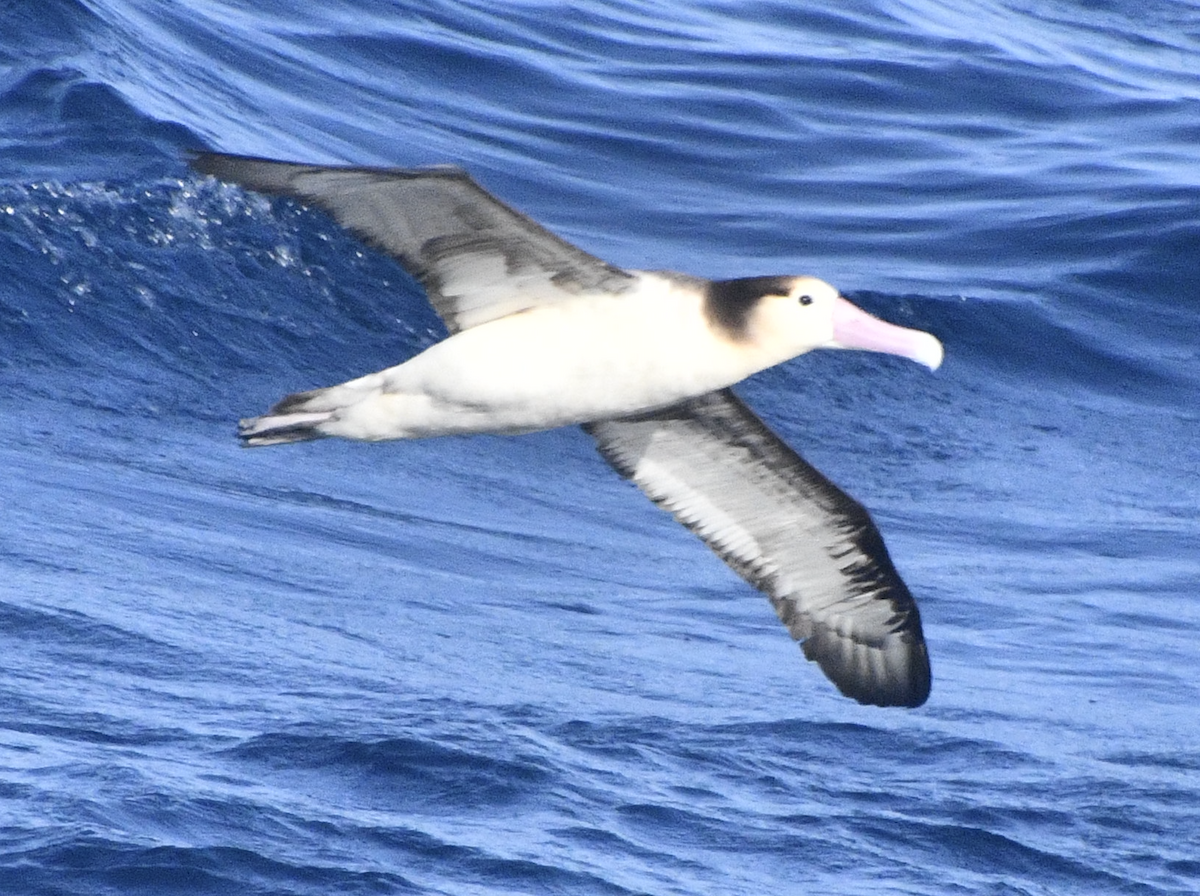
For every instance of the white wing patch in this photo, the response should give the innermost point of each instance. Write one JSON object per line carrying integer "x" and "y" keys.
{"x": 788, "y": 531}
{"x": 481, "y": 288}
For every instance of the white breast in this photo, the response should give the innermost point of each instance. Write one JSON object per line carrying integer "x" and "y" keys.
{"x": 592, "y": 358}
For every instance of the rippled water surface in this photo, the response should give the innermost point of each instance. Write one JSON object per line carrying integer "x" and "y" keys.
{"x": 477, "y": 666}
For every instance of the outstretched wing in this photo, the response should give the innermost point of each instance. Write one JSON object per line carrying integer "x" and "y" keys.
{"x": 477, "y": 258}
{"x": 788, "y": 531}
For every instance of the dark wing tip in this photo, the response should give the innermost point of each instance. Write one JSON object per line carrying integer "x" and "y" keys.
{"x": 893, "y": 673}
{"x": 789, "y": 531}
{"x": 220, "y": 164}
{"x": 264, "y": 175}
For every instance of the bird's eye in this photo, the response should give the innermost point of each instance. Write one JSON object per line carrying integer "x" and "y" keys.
{"x": 806, "y": 299}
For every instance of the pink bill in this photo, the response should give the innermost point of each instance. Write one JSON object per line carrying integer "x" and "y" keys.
{"x": 854, "y": 328}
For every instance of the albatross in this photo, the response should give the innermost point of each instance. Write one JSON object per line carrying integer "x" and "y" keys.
{"x": 542, "y": 335}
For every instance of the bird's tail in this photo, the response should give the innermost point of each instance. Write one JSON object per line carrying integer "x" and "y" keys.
{"x": 299, "y": 417}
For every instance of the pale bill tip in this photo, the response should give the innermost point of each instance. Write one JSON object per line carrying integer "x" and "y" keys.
{"x": 929, "y": 351}
{"x": 854, "y": 328}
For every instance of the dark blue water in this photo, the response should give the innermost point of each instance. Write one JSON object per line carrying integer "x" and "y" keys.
{"x": 482, "y": 666}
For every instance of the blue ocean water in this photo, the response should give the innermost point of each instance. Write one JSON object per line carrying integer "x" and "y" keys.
{"x": 480, "y": 666}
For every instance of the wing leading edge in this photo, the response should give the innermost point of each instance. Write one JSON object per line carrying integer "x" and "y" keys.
{"x": 477, "y": 258}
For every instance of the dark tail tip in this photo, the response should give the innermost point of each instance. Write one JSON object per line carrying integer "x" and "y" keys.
{"x": 258, "y": 432}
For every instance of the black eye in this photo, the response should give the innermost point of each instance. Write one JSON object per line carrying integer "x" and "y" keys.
{"x": 806, "y": 300}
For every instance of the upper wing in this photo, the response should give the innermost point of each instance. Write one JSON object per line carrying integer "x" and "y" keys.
{"x": 477, "y": 258}
{"x": 788, "y": 531}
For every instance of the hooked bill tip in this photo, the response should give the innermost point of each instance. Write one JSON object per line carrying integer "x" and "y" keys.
{"x": 929, "y": 352}
{"x": 854, "y": 328}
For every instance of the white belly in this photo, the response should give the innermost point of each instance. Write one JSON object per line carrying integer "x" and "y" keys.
{"x": 590, "y": 359}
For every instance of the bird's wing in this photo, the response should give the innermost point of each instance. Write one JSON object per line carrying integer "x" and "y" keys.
{"x": 788, "y": 531}
{"x": 477, "y": 258}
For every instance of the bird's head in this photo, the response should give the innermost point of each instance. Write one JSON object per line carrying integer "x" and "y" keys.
{"x": 782, "y": 317}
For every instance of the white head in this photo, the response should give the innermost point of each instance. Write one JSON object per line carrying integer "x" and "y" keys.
{"x": 781, "y": 317}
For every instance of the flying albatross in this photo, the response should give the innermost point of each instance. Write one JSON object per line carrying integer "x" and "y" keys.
{"x": 543, "y": 334}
